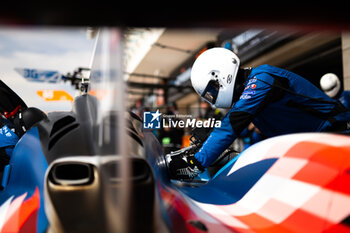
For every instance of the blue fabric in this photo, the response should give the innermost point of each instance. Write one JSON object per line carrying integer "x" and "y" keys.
{"x": 345, "y": 99}
{"x": 8, "y": 139}
{"x": 5, "y": 176}
{"x": 249, "y": 137}
{"x": 276, "y": 117}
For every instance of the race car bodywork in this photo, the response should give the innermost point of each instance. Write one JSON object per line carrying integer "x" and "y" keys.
{"x": 67, "y": 172}
{"x": 292, "y": 183}
{"x": 22, "y": 198}
{"x": 59, "y": 179}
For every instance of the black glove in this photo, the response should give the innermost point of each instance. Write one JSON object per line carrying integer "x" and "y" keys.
{"x": 184, "y": 167}
{"x": 194, "y": 163}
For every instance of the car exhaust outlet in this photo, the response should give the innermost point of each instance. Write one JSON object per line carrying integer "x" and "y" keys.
{"x": 72, "y": 174}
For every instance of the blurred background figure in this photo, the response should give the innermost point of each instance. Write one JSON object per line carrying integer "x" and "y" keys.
{"x": 331, "y": 85}
{"x": 209, "y": 112}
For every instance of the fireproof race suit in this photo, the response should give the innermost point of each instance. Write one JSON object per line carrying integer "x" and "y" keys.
{"x": 345, "y": 99}
{"x": 278, "y": 102}
{"x": 8, "y": 139}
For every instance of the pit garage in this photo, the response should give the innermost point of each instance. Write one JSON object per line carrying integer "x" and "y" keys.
{"x": 122, "y": 158}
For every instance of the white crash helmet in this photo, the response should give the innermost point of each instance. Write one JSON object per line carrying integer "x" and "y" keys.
{"x": 330, "y": 84}
{"x": 213, "y": 76}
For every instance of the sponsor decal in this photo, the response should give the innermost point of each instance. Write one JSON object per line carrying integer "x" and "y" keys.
{"x": 248, "y": 93}
{"x": 229, "y": 78}
{"x": 245, "y": 97}
{"x": 253, "y": 86}
{"x": 253, "y": 80}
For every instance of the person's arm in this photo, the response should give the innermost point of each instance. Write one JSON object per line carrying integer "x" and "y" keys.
{"x": 241, "y": 114}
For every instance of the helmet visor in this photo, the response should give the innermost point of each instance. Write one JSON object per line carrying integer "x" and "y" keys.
{"x": 211, "y": 91}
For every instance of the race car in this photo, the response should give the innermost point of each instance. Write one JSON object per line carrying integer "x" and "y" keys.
{"x": 58, "y": 178}
{"x": 72, "y": 172}
{"x": 291, "y": 183}
{"x": 69, "y": 171}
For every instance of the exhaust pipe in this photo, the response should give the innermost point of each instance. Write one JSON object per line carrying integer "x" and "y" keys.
{"x": 140, "y": 171}
{"x": 71, "y": 174}
{"x": 83, "y": 194}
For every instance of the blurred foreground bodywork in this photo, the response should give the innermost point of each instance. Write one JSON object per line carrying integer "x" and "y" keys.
{"x": 69, "y": 173}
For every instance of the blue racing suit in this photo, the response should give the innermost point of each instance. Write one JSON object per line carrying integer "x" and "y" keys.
{"x": 8, "y": 139}
{"x": 345, "y": 99}
{"x": 278, "y": 102}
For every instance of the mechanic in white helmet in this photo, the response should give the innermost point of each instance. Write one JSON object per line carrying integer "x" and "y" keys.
{"x": 331, "y": 85}
{"x": 277, "y": 101}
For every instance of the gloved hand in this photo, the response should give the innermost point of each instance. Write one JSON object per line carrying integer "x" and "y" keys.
{"x": 184, "y": 167}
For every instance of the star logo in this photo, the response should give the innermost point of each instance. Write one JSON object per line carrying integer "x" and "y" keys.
{"x": 151, "y": 120}
{"x": 156, "y": 115}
